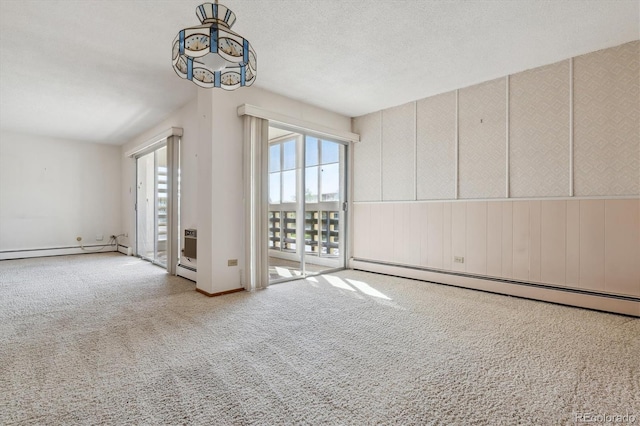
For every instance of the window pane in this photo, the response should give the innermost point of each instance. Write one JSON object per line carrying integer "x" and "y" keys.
{"x": 330, "y": 181}
{"x": 274, "y": 158}
{"x": 274, "y": 188}
{"x": 311, "y": 183}
{"x": 289, "y": 161}
{"x": 311, "y": 151}
{"x": 289, "y": 186}
{"x": 330, "y": 152}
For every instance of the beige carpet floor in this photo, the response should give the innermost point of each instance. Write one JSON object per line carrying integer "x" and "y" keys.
{"x": 108, "y": 339}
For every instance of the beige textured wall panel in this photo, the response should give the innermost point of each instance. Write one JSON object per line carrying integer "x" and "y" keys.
{"x": 607, "y": 121}
{"x": 482, "y": 140}
{"x": 367, "y": 171}
{"x": 539, "y": 131}
{"x": 592, "y": 245}
{"x": 553, "y": 242}
{"x": 398, "y": 153}
{"x": 622, "y": 247}
{"x": 436, "y": 133}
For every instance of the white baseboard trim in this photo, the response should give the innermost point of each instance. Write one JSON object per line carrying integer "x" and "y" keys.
{"x": 562, "y": 296}
{"x": 57, "y": 251}
{"x": 187, "y": 273}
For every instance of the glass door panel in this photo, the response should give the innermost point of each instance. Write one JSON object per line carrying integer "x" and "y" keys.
{"x": 151, "y": 206}
{"x": 306, "y": 194}
{"x": 161, "y": 206}
{"x": 324, "y": 218}
{"x": 145, "y": 210}
{"x": 285, "y": 258}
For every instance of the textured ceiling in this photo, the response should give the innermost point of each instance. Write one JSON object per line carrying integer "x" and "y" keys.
{"x": 100, "y": 71}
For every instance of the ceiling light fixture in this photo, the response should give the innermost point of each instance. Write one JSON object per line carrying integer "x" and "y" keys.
{"x": 211, "y": 55}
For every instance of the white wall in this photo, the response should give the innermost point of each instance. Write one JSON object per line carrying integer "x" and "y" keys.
{"x": 53, "y": 190}
{"x": 211, "y": 188}
{"x": 220, "y": 185}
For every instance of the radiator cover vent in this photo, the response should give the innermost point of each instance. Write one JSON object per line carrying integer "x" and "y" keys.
{"x": 190, "y": 243}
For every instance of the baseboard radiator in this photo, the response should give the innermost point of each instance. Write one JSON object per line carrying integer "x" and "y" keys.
{"x": 56, "y": 251}
{"x": 620, "y": 304}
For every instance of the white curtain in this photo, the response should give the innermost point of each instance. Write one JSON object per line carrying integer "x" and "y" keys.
{"x": 256, "y": 149}
{"x": 173, "y": 237}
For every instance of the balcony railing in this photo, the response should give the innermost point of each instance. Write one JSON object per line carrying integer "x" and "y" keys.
{"x": 321, "y": 232}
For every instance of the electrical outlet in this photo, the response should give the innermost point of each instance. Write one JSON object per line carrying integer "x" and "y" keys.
{"x": 78, "y": 239}
{"x": 458, "y": 259}
{"x": 232, "y": 262}
{"x": 99, "y": 237}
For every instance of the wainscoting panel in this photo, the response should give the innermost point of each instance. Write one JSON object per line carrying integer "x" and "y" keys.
{"x": 447, "y": 248}
{"x": 622, "y": 250}
{"x": 362, "y": 230}
{"x": 417, "y": 221}
{"x": 573, "y": 244}
{"x": 494, "y": 239}
{"x": 377, "y": 233}
{"x": 521, "y": 240}
{"x": 424, "y": 234}
{"x": 507, "y": 239}
{"x": 402, "y": 233}
{"x": 367, "y": 167}
{"x": 386, "y": 231}
{"x": 458, "y": 234}
{"x": 591, "y": 245}
{"x": 534, "y": 241}
{"x": 476, "y": 244}
{"x": 435, "y": 225}
{"x": 553, "y": 234}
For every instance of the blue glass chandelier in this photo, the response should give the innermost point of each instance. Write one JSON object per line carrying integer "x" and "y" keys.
{"x": 211, "y": 55}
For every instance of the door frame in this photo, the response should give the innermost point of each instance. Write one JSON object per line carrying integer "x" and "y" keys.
{"x": 172, "y": 140}
{"x": 300, "y": 135}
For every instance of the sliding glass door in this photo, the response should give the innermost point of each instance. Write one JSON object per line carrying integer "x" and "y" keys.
{"x": 151, "y": 206}
{"x": 324, "y": 197}
{"x": 306, "y": 198}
